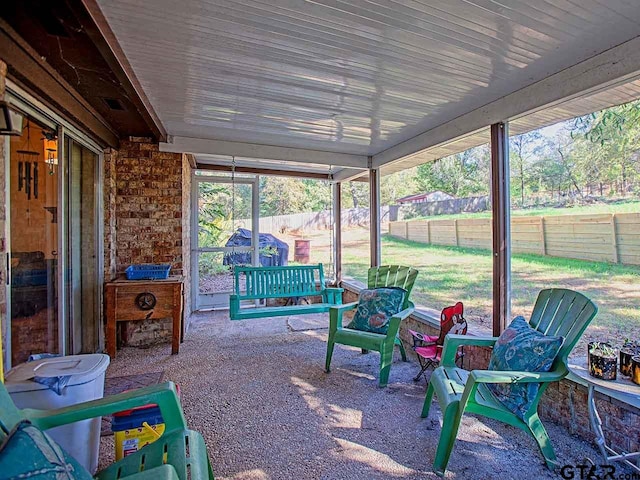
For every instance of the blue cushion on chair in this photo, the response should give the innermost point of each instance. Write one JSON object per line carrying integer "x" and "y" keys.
{"x": 27, "y": 452}
{"x": 521, "y": 348}
{"x": 376, "y": 307}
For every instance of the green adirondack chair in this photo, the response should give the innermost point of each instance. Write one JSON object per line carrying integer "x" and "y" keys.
{"x": 383, "y": 276}
{"x": 557, "y": 312}
{"x": 179, "y": 454}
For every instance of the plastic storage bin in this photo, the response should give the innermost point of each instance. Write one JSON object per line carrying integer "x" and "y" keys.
{"x": 80, "y": 439}
{"x": 133, "y": 429}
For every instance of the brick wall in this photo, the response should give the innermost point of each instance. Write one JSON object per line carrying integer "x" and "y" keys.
{"x": 144, "y": 222}
{"x": 148, "y": 205}
{"x": 3, "y": 218}
{"x": 109, "y": 188}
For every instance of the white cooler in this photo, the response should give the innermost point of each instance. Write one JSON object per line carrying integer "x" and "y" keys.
{"x": 81, "y": 439}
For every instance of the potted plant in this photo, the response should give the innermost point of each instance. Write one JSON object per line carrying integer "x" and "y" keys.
{"x": 627, "y": 352}
{"x": 603, "y": 362}
{"x": 635, "y": 369}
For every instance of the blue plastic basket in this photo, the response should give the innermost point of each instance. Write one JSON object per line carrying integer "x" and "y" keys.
{"x": 148, "y": 272}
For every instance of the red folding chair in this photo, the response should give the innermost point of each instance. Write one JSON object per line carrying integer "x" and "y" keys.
{"x": 428, "y": 348}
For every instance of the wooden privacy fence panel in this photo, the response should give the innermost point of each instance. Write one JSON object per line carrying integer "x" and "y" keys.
{"x": 527, "y": 235}
{"x": 474, "y": 233}
{"x": 628, "y": 237}
{"x": 398, "y": 229}
{"x": 443, "y": 232}
{"x": 418, "y": 231}
{"x": 601, "y": 237}
{"x": 586, "y": 237}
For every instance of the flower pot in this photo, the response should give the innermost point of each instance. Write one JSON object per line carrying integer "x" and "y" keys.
{"x": 635, "y": 369}
{"x": 627, "y": 352}
{"x": 600, "y": 365}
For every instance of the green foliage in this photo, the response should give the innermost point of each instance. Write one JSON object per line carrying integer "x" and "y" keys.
{"x": 355, "y": 195}
{"x": 398, "y": 185}
{"x": 602, "y": 350}
{"x": 212, "y": 205}
{"x": 462, "y": 175}
{"x": 210, "y": 265}
{"x": 610, "y": 125}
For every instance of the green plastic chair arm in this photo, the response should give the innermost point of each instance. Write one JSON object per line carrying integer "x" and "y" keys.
{"x": 343, "y": 308}
{"x": 335, "y": 315}
{"x": 335, "y": 289}
{"x": 394, "y": 323}
{"x": 404, "y": 313}
{"x": 333, "y": 295}
{"x": 477, "y": 377}
{"x": 452, "y": 342}
{"x": 492, "y": 376}
{"x": 164, "y": 395}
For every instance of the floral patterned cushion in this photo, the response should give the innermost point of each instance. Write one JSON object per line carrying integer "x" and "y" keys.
{"x": 376, "y": 307}
{"x": 29, "y": 453}
{"x": 521, "y": 348}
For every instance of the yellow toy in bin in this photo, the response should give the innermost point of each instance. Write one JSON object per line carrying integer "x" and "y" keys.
{"x": 136, "y": 428}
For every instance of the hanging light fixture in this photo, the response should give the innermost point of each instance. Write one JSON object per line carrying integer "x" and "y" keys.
{"x": 51, "y": 149}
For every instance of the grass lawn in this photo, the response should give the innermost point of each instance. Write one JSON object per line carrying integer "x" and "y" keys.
{"x": 632, "y": 206}
{"x": 451, "y": 274}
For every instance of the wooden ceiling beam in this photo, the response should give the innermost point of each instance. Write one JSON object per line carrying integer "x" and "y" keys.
{"x": 30, "y": 71}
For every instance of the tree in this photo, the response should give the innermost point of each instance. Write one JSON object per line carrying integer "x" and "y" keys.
{"x": 609, "y": 125}
{"x": 355, "y": 195}
{"x": 461, "y": 175}
{"x": 614, "y": 143}
{"x": 398, "y": 185}
{"x": 281, "y": 196}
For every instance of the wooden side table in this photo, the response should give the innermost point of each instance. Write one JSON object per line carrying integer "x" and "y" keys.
{"x": 127, "y": 300}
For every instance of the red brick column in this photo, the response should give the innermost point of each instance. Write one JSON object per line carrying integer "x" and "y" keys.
{"x": 109, "y": 189}
{"x": 144, "y": 224}
{"x": 148, "y": 205}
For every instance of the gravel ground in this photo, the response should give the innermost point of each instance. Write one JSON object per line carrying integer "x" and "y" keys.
{"x": 258, "y": 393}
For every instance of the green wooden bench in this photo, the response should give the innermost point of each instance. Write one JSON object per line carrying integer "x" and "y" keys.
{"x": 294, "y": 282}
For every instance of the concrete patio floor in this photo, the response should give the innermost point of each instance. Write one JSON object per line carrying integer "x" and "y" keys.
{"x": 258, "y": 393}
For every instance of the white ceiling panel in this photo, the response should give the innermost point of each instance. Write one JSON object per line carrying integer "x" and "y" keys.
{"x": 356, "y": 76}
{"x": 594, "y": 102}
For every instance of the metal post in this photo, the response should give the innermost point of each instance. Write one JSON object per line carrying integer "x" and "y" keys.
{"x": 500, "y": 207}
{"x": 374, "y": 210}
{"x": 337, "y": 231}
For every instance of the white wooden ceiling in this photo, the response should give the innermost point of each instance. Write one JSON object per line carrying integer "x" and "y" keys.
{"x": 353, "y": 77}
{"x": 567, "y": 110}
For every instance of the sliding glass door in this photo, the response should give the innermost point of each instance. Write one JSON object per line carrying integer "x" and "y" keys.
{"x": 81, "y": 280}
{"x": 33, "y": 241}
{"x": 53, "y": 239}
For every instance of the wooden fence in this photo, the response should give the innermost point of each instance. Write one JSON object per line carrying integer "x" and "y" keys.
{"x": 603, "y": 237}
{"x": 350, "y": 217}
